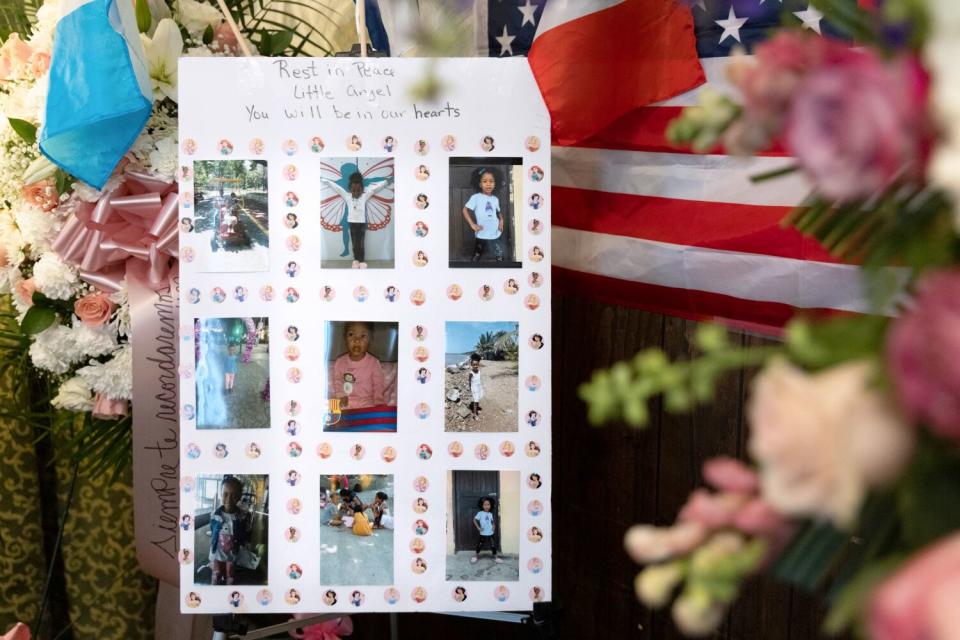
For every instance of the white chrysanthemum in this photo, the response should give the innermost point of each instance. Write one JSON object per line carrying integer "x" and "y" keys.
{"x": 93, "y": 342}
{"x": 37, "y": 228}
{"x": 197, "y": 16}
{"x": 165, "y": 157}
{"x": 54, "y": 349}
{"x": 74, "y": 395}
{"x": 35, "y": 100}
{"x": 47, "y": 17}
{"x": 15, "y": 156}
{"x": 113, "y": 378}
{"x": 54, "y": 278}
{"x": 121, "y": 318}
{"x": 11, "y": 242}
{"x": 85, "y": 193}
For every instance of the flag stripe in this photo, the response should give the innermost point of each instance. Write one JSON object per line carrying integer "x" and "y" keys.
{"x": 760, "y": 316}
{"x": 716, "y": 225}
{"x": 709, "y": 178}
{"x": 799, "y": 283}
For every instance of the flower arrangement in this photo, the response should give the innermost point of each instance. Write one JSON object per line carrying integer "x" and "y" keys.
{"x": 854, "y": 471}
{"x": 70, "y": 325}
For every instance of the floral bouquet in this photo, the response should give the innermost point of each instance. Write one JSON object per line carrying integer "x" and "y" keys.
{"x": 66, "y": 248}
{"x": 854, "y": 420}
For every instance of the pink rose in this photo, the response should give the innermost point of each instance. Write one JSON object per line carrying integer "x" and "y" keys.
{"x": 25, "y": 289}
{"x": 923, "y": 354}
{"x": 39, "y": 63}
{"x": 730, "y": 474}
{"x": 225, "y": 38}
{"x": 106, "y": 408}
{"x": 42, "y": 194}
{"x": 856, "y": 123}
{"x": 93, "y": 309}
{"x": 14, "y": 54}
{"x": 919, "y": 602}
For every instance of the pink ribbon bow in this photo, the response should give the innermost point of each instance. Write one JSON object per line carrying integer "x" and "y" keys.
{"x": 136, "y": 220}
{"x": 327, "y": 630}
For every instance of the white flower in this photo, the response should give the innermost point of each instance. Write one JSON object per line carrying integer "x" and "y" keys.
{"x": 54, "y": 278}
{"x": 162, "y": 52}
{"x": 54, "y": 349}
{"x": 37, "y": 228}
{"x": 11, "y": 242}
{"x": 113, "y": 378}
{"x": 74, "y": 395}
{"x": 121, "y": 318}
{"x": 164, "y": 158}
{"x": 92, "y": 342}
{"x": 197, "y": 16}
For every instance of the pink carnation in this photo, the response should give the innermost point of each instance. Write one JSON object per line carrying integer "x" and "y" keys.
{"x": 106, "y": 408}
{"x": 856, "y": 124}
{"x": 25, "y": 290}
{"x": 225, "y": 38}
{"x": 923, "y": 354}
{"x": 919, "y": 602}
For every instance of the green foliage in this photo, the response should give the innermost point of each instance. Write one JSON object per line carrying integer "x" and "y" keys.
{"x": 24, "y": 129}
{"x": 17, "y": 16}
{"x": 37, "y": 319}
{"x": 63, "y": 180}
{"x": 207, "y": 35}
{"x": 928, "y": 494}
{"x": 701, "y": 126}
{"x": 820, "y": 345}
{"x": 905, "y": 225}
{"x": 269, "y": 24}
{"x": 144, "y": 19}
{"x": 273, "y": 43}
{"x": 808, "y": 559}
{"x": 623, "y": 391}
{"x": 851, "y": 603}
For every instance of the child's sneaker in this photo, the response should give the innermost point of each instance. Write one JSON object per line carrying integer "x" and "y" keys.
{"x": 473, "y": 560}
{"x": 498, "y": 560}
{"x": 355, "y": 265}
{"x": 363, "y": 265}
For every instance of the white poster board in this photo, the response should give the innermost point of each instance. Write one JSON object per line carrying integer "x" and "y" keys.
{"x": 365, "y": 313}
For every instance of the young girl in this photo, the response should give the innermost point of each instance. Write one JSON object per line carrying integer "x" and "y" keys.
{"x": 380, "y": 514}
{"x": 361, "y": 526}
{"x": 367, "y": 386}
{"x": 356, "y": 200}
{"x": 229, "y": 530}
{"x": 476, "y": 385}
{"x": 230, "y": 367}
{"x": 483, "y": 523}
{"x": 482, "y": 213}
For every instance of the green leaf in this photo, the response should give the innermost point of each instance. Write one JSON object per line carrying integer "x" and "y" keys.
{"x": 144, "y": 19}
{"x": 810, "y": 555}
{"x": 928, "y": 495}
{"x": 274, "y": 43}
{"x": 24, "y": 129}
{"x": 16, "y": 16}
{"x": 849, "y": 607}
{"x": 824, "y": 344}
{"x": 208, "y": 35}
{"x": 37, "y": 319}
{"x": 63, "y": 180}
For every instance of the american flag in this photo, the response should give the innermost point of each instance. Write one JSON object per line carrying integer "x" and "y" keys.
{"x": 640, "y": 223}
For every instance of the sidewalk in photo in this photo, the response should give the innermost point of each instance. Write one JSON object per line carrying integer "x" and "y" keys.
{"x": 459, "y": 567}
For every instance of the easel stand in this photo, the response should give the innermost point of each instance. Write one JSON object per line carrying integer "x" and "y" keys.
{"x": 542, "y": 623}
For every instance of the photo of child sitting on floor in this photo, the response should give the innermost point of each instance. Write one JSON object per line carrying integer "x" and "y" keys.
{"x": 361, "y": 385}
{"x": 356, "y": 530}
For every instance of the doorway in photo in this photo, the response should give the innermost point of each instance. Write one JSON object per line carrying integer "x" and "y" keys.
{"x": 486, "y": 196}
{"x": 483, "y": 525}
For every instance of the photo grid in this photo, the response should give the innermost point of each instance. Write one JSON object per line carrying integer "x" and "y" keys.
{"x": 364, "y": 345}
